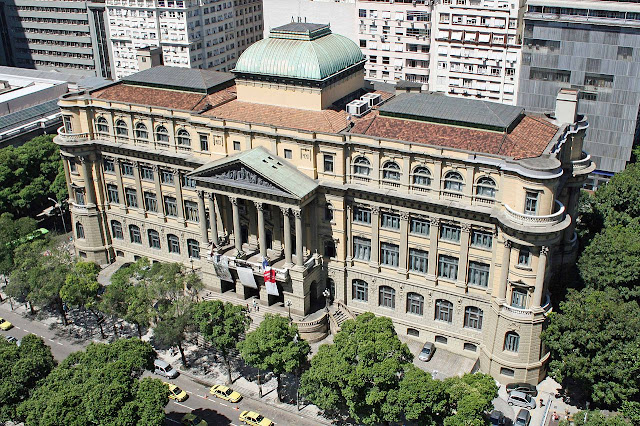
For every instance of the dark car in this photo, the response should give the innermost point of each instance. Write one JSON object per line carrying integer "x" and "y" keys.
{"x": 523, "y": 387}
{"x": 497, "y": 418}
{"x": 523, "y": 418}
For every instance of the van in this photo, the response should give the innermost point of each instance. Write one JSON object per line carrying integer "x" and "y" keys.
{"x": 521, "y": 399}
{"x": 165, "y": 369}
{"x": 523, "y": 418}
{"x": 427, "y": 352}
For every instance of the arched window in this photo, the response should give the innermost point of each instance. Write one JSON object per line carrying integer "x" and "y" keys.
{"x": 116, "y": 230}
{"x": 360, "y": 290}
{"x": 154, "y": 239}
{"x": 328, "y": 212}
{"x": 134, "y": 234}
{"x": 391, "y": 171}
{"x": 329, "y": 248}
{"x": 473, "y": 317}
{"x": 415, "y": 303}
{"x": 162, "y": 134}
{"x": 511, "y": 341}
{"x": 101, "y": 125}
{"x": 121, "y": 128}
{"x": 387, "y": 297}
{"x": 331, "y": 285}
{"x": 444, "y": 310}
{"x": 184, "y": 138}
{"x": 141, "y": 131}
{"x": 193, "y": 247}
{"x": 422, "y": 176}
{"x": 486, "y": 187}
{"x": 173, "y": 243}
{"x": 362, "y": 166}
{"x": 453, "y": 181}
{"x": 79, "y": 230}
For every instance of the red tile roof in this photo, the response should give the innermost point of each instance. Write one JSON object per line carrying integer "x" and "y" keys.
{"x": 150, "y": 96}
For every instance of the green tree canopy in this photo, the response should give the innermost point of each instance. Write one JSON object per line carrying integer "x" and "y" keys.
{"x": 29, "y": 174}
{"x": 596, "y": 418}
{"x": 81, "y": 285}
{"x": 618, "y": 201}
{"x": 10, "y": 231}
{"x": 222, "y": 325}
{"x": 275, "y": 346}
{"x": 595, "y": 341}
{"x": 470, "y": 398}
{"x": 99, "y": 386}
{"x": 422, "y": 399}
{"x": 22, "y": 369}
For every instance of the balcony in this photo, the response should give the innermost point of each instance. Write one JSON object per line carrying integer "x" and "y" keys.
{"x": 527, "y": 313}
{"x": 66, "y": 137}
{"x": 535, "y": 220}
{"x": 583, "y": 163}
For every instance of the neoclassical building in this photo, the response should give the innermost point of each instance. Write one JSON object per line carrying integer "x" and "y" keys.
{"x": 448, "y": 215}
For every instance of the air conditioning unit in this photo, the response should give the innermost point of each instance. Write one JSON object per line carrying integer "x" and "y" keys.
{"x": 371, "y": 98}
{"x": 358, "y": 107}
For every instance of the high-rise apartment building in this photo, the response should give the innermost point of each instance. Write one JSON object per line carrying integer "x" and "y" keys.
{"x": 475, "y": 49}
{"x": 395, "y": 37}
{"x": 189, "y": 33}
{"x": 67, "y": 36}
{"x": 593, "y": 46}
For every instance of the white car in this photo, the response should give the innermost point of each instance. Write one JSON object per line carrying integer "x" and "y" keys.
{"x": 521, "y": 399}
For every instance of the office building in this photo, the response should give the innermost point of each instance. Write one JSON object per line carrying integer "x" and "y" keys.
{"x": 593, "y": 46}
{"x": 450, "y": 216}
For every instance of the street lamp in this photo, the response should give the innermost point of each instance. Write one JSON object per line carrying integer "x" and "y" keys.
{"x": 59, "y": 206}
{"x": 326, "y": 293}
{"x": 289, "y": 306}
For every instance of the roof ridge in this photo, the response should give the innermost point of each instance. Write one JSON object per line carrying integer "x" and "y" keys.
{"x": 486, "y": 105}
{"x": 540, "y": 120}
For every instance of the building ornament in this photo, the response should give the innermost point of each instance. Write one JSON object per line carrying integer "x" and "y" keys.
{"x": 375, "y": 210}
{"x": 465, "y": 227}
{"x": 297, "y": 213}
{"x": 246, "y": 176}
{"x": 544, "y": 251}
{"x": 200, "y": 193}
{"x": 434, "y": 221}
{"x": 234, "y": 200}
{"x": 404, "y": 216}
{"x": 211, "y": 196}
{"x": 155, "y": 168}
{"x": 259, "y": 205}
{"x": 284, "y": 210}
{"x": 507, "y": 244}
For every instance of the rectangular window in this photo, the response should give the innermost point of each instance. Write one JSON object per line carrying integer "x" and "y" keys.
{"x": 549, "y": 75}
{"x": 131, "y": 197}
{"x": 448, "y": 267}
{"x": 390, "y": 221}
{"x": 418, "y": 260}
{"x": 389, "y": 254}
{"x": 478, "y": 274}
{"x": 359, "y": 291}
{"x": 419, "y": 227}
{"x": 191, "y": 211}
{"x": 524, "y": 257}
{"x": 328, "y": 163}
{"x": 482, "y": 239}
{"x": 204, "y": 142}
{"x": 598, "y": 80}
{"x": 127, "y": 169}
{"x": 361, "y": 248}
{"x": 625, "y": 53}
{"x": 361, "y": 215}
{"x": 531, "y": 203}
{"x": 170, "y": 206}
{"x": 166, "y": 176}
{"x": 146, "y": 173}
{"x": 236, "y": 146}
{"x": 362, "y": 13}
{"x": 116, "y": 230}
{"x": 134, "y": 234}
{"x": 450, "y": 233}
{"x": 519, "y": 298}
{"x": 188, "y": 182}
{"x": 154, "y": 240}
{"x": 112, "y": 193}
{"x": 511, "y": 342}
{"x": 150, "y": 202}
{"x": 288, "y": 154}
{"x": 109, "y": 166}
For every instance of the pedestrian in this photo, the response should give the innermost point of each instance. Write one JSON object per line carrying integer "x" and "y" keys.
{"x": 258, "y": 308}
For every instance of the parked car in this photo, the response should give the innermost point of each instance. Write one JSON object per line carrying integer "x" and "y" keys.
{"x": 523, "y": 387}
{"x": 523, "y": 418}
{"x": 521, "y": 399}
{"x": 191, "y": 419}
{"x": 225, "y": 392}
{"x": 12, "y": 339}
{"x": 5, "y": 325}
{"x": 497, "y": 418}
{"x": 163, "y": 368}
{"x": 254, "y": 419}
{"x": 176, "y": 393}
{"x": 427, "y": 352}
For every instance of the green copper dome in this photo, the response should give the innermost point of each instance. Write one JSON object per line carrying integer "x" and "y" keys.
{"x": 301, "y": 51}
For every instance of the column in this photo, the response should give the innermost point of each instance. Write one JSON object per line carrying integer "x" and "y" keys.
{"x": 542, "y": 267}
{"x": 287, "y": 235}
{"x": 465, "y": 229}
{"x": 262, "y": 235}
{"x": 67, "y": 174}
{"x": 375, "y": 236}
{"x": 349, "y": 239}
{"x": 237, "y": 233}
{"x": 504, "y": 270}
{"x": 117, "y": 162}
{"x": 177, "y": 178}
{"x": 276, "y": 238}
{"x": 159, "y": 199}
{"x": 213, "y": 218}
{"x": 299, "y": 232}
{"x": 202, "y": 217}
{"x": 434, "y": 233}
{"x": 404, "y": 231}
{"x": 136, "y": 167}
{"x": 88, "y": 180}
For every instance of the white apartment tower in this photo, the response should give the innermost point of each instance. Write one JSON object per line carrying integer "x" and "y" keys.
{"x": 476, "y": 48}
{"x": 395, "y": 37}
{"x": 190, "y": 33}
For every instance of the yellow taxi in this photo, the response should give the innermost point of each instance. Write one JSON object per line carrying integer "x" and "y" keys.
{"x": 5, "y": 325}
{"x": 226, "y": 393}
{"x": 176, "y": 393}
{"x": 254, "y": 419}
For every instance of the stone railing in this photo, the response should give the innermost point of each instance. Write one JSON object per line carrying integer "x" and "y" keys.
{"x": 534, "y": 220}
{"x": 583, "y": 163}
{"x": 517, "y": 311}
{"x": 344, "y": 308}
{"x": 547, "y": 307}
{"x": 316, "y": 330}
{"x": 256, "y": 267}
{"x": 72, "y": 137}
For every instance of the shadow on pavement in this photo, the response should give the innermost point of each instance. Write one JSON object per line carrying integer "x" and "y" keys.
{"x": 212, "y": 417}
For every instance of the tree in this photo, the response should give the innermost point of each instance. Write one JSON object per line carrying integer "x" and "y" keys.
{"x": 12, "y": 230}
{"x": 359, "y": 372}
{"x": 99, "y": 386}
{"x": 470, "y": 397}
{"x": 422, "y": 399}
{"x": 631, "y": 410}
{"x": 222, "y": 325}
{"x": 596, "y": 418}
{"x": 618, "y": 201}
{"x": 23, "y": 368}
{"x": 172, "y": 331}
{"x": 29, "y": 174}
{"x": 612, "y": 259}
{"x": 81, "y": 289}
{"x": 275, "y": 346}
{"x": 595, "y": 342}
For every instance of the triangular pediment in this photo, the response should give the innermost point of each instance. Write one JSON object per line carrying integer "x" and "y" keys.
{"x": 257, "y": 170}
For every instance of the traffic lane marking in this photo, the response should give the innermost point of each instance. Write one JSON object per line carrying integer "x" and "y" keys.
{"x": 183, "y": 405}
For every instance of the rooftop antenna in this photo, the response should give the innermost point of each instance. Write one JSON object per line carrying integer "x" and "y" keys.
{"x": 292, "y": 19}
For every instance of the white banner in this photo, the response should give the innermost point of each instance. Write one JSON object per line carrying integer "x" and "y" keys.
{"x": 246, "y": 277}
{"x": 272, "y": 288}
{"x": 221, "y": 266}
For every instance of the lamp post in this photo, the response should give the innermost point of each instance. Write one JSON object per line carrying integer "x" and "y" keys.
{"x": 289, "y": 306}
{"x": 59, "y": 206}
{"x": 326, "y": 293}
